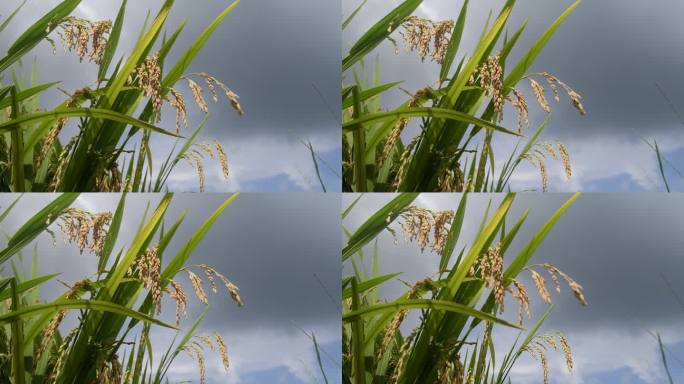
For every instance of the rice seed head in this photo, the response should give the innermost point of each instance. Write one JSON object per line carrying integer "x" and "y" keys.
{"x": 57, "y": 128}
{"x": 197, "y": 94}
{"x": 149, "y": 272}
{"x": 427, "y": 37}
{"x": 565, "y": 158}
{"x": 196, "y": 353}
{"x": 195, "y": 160}
{"x": 198, "y": 287}
{"x": 523, "y": 298}
{"x": 77, "y": 34}
{"x": 538, "y": 352}
{"x": 552, "y": 81}
{"x": 574, "y": 286}
{"x": 544, "y": 173}
{"x": 442, "y": 35}
{"x": 419, "y": 223}
{"x": 205, "y": 149}
{"x": 490, "y": 77}
{"x": 451, "y": 372}
{"x": 232, "y": 97}
{"x": 575, "y": 98}
{"x": 49, "y": 333}
{"x": 100, "y": 229}
{"x": 208, "y": 272}
{"x": 148, "y": 77}
{"x": 223, "y": 159}
{"x": 178, "y": 295}
{"x": 100, "y": 36}
{"x": 548, "y": 149}
{"x": 87, "y": 230}
{"x": 451, "y": 180}
{"x": 211, "y": 85}
{"x": 403, "y": 164}
{"x": 61, "y": 356}
{"x": 391, "y": 331}
{"x": 550, "y": 341}
{"x": 177, "y": 102}
{"x": 441, "y": 230}
{"x": 404, "y": 352}
{"x": 540, "y": 283}
{"x": 401, "y": 124}
{"x": 538, "y": 90}
{"x": 418, "y": 35}
{"x": 62, "y": 162}
{"x": 567, "y": 351}
{"x": 392, "y": 139}
{"x": 223, "y": 350}
{"x": 491, "y": 272}
{"x": 232, "y": 289}
{"x": 520, "y": 104}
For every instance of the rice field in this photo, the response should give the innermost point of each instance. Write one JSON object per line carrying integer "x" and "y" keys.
{"x": 441, "y": 139}
{"x": 115, "y": 306}
{"x": 442, "y": 327}
{"x": 98, "y": 138}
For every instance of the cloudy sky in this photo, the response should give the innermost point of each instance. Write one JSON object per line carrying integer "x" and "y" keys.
{"x": 282, "y": 58}
{"x": 617, "y": 246}
{"x": 613, "y": 53}
{"x": 281, "y": 250}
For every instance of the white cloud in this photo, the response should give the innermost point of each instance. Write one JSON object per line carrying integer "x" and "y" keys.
{"x": 260, "y": 158}
{"x": 260, "y": 350}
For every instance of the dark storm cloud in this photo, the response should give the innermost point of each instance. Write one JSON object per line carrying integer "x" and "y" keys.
{"x": 281, "y": 250}
{"x": 616, "y": 245}
{"x": 282, "y": 58}
{"x": 612, "y": 52}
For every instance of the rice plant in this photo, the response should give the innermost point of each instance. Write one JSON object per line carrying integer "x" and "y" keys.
{"x": 457, "y": 117}
{"x": 459, "y": 305}
{"x": 114, "y": 116}
{"x": 115, "y": 306}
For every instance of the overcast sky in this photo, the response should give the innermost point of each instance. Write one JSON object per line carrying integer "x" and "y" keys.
{"x": 613, "y": 53}
{"x": 281, "y": 250}
{"x": 284, "y": 63}
{"x": 615, "y": 245}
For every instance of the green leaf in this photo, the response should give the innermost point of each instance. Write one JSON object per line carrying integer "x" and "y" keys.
{"x": 64, "y": 304}
{"x": 58, "y": 113}
{"x": 369, "y": 93}
{"x": 36, "y": 225}
{"x": 37, "y": 32}
{"x": 369, "y": 284}
{"x": 377, "y": 223}
{"x": 379, "y": 32}
{"x": 423, "y": 112}
{"x": 27, "y": 285}
{"x": 440, "y": 305}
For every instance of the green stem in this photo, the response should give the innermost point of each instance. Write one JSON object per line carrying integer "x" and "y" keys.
{"x": 18, "y": 182}
{"x": 357, "y": 336}
{"x": 17, "y": 338}
{"x": 359, "y": 146}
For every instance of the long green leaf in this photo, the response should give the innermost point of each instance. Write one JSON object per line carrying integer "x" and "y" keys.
{"x": 423, "y": 112}
{"x": 58, "y": 113}
{"x": 440, "y": 305}
{"x": 63, "y": 304}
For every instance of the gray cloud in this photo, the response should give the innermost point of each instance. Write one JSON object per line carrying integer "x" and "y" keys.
{"x": 616, "y": 245}
{"x": 276, "y": 57}
{"x": 612, "y": 53}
